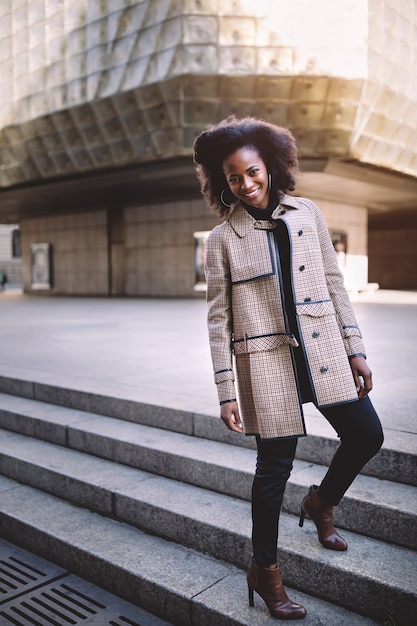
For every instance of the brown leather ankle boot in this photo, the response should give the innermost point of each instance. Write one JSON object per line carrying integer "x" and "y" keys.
{"x": 322, "y": 515}
{"x": 268, "y": 584}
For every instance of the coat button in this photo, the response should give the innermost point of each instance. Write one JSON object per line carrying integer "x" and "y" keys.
{"x": 256, "y": 223}
{"x": 302, "y": 268}
{"x": 307, "y": 299}
{"x": 300, "y": 232}
{"x": 324, "y": 369}
{"x": 316, "y": 334}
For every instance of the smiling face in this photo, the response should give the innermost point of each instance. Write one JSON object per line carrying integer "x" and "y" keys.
{"x": 247, "y": 177}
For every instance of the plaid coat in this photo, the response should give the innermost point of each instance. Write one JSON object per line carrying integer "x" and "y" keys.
{"x": 248, "y": 330}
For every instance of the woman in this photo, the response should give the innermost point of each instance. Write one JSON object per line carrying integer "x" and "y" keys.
{"x": 280, "y": 318}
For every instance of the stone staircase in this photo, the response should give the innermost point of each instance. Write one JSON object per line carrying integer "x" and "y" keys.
{"x": 153, "y": 504}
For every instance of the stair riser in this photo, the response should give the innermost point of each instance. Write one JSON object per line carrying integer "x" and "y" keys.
{"x": 382, "y": 523}
{"x": 220, "y": 543}
{"x": 120, "y": 408}
{"x": 17, "y": 387}
{"x": 353, "y": 592}
{"x": 357, "y": 594}
{"x": 188, "y": 470}
{"x": 171, "y": 581}
{"x": 238, "y": 484}
{"x": 388, "y": 464}
{"x": 82, "y": 493}
{"x": 362, "y": 595}
{"x": 33, "y": 427}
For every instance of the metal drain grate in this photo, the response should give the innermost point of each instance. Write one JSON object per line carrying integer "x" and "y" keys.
{"x": 15, "y": 574}
{"x": 53, "y": 604}
{"x": 34, "y": 592}
{"x": 21, "y": 571}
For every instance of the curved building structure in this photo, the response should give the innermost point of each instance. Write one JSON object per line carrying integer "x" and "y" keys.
{"x": 100, "y": 103}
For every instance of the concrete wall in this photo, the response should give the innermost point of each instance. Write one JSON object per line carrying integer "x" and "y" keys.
{"x": 79, "y": 250}
{"x": 149, "y": 250}
{"x": 393, "y": 257}
{"x": 159, "y": 240}
{"x": 137, "y": 251}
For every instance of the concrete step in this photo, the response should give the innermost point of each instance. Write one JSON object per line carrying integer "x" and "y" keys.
{"x": 396, "y": 461}
{"x": 383, "y": 509}
{"x": 206, "y": 521}
{"x": 174, "y": 582}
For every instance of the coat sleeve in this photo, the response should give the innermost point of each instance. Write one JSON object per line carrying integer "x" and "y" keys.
{"x": 345, "y": 315}
{"x": 219, "y": 319}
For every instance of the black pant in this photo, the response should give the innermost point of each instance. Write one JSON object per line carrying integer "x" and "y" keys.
{"x": 360, "y": 432}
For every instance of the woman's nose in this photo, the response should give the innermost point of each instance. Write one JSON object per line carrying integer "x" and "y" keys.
{"x": 245, "y": 184}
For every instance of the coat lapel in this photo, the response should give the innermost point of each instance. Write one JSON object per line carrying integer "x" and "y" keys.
{"x": 287, "y": 201}
{"x": 240, "y": 220}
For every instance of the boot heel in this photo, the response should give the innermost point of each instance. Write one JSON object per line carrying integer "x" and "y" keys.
{"x": 250, "y": 595}
{"x": 267, "y": 583}
{"x": 302, "y": 517}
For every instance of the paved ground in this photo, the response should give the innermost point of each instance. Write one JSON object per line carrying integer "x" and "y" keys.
{"x": 156, "y": 350}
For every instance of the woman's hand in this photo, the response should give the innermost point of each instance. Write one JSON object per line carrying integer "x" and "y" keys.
{"x": 362, "y": 375}
{"x": 229, "y": 412}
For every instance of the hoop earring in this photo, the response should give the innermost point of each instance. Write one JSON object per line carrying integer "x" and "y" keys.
{"x": 222, "y": 199}
{"x": 269, "y": 182}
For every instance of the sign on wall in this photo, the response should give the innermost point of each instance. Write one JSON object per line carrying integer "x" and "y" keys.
{"x": 41, "y": 265}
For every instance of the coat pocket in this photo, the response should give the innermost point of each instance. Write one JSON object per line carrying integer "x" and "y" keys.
{"x": 253, "y": 258}
{"x": 263, "y": 343}
{"x": 318, "y": 308}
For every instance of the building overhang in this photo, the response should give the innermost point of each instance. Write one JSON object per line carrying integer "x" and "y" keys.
{"x": 379, "y": 190}
{"x": 336, "y": 180}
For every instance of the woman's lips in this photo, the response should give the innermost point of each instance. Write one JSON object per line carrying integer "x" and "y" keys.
{"x": 251, "y": 194}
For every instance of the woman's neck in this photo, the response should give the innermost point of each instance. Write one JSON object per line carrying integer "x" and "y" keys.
{"x": 257, "y": 213}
